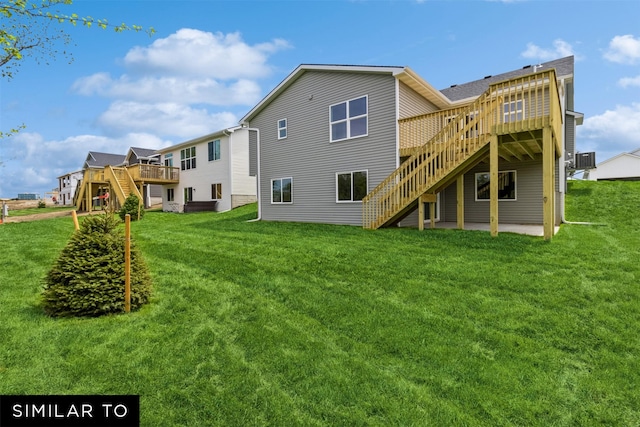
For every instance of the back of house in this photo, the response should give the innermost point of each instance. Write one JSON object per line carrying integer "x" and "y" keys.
{"x": 330, "y": 135}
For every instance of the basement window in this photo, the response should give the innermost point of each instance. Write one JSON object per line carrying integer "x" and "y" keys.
{"x": 506, "y": 186}
{"x": 351, "y": 186}
{"x": 281, "y": 190}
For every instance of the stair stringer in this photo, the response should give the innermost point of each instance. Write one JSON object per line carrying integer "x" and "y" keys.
{"x": 457, "y": 147}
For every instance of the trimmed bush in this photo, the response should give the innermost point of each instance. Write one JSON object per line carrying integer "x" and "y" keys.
{"x": 131, "y": 206}
{"x": 88, "y": 277}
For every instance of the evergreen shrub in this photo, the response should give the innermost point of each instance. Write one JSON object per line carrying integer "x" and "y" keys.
{"x": 131, "y": 206}
{"x": 88, "y": 277}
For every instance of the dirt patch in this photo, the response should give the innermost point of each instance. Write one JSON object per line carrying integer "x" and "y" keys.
{"x": 36, "y": 217}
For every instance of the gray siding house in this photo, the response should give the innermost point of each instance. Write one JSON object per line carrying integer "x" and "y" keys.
{"x": 379, "y": 146}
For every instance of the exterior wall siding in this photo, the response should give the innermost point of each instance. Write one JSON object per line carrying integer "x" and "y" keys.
{"x": 412, "y": 104}
{"x": 307, "y": 155}
{"x": 241, "y": 182}
{"x": 200, "y": 179}
{"x": 527, "y": 209}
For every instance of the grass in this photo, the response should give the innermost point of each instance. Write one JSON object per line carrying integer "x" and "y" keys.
{"x": 258, "y": 323}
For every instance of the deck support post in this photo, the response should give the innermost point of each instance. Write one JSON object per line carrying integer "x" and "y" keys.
{"x": 493, "y": 184}
{"x": 431, "y": 199}
{"x": 548, "y": 183}
{"x": 89, "y": 196}
{"x": 460, "y": 202}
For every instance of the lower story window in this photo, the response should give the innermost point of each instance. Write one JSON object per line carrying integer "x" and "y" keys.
{"x": 351, "y": 186}
{"x": 170, "y": 195}
{"x": 188, "y": 194}
{"x": 216, "y": 191}
{"x": 506, "y": 186}
{"x": 281, "y": 190}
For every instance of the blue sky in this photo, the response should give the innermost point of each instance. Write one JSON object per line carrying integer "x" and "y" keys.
{"x": 211, "y": 61}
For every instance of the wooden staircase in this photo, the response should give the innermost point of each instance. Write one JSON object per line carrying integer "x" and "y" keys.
{"x": 122, "y": 184}
{"x": 457, "y": 140}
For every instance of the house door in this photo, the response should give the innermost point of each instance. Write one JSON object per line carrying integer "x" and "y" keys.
{"x": 188, "y": 194}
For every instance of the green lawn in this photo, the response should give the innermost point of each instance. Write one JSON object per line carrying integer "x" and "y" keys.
{"x": 280, "y": 324}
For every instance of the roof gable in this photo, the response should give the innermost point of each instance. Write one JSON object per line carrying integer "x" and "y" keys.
{"x": 99, "y": 160}
{"x": 303, "y": 68}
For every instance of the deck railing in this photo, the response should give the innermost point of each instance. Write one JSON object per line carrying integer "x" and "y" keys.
{"x": 151, "y": 173}
{"x": 442, "y": 142}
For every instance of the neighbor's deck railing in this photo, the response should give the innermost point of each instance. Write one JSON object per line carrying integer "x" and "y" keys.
{"x": 154, "y": 173}
{"x": 442, "y": 142}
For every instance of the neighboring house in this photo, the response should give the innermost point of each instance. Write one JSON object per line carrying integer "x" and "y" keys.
{"x": 214, "y": 172}
{"x": 374, "y": 146}
{"x": 624, "y": 166}
{"x": 67, "y": 187}
{"x": 151, "y": 193}
{"x": 118, "y": 176}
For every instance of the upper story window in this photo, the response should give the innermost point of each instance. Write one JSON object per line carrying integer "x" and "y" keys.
{"x": 188, "y": 158}
{"x": 351, "y": 186}
{"x": 349, "y": 119}
{"x": 168, "y": 160}
{"x": 214, "y": 150}
{"x": 282, "y": 129}
{"x": 513, "y": 110}
{"x": 506, "y": 186}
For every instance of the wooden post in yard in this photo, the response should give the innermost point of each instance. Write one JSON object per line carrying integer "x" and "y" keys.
{"x": 127, "y": 263}
{"x": 493, "y": 185}
{"x": 74, "y": 215}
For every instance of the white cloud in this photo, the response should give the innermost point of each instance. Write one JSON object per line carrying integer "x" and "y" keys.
{"x": 560, "y": 49}
{"x": 623, "y": 49}
{"x": 629, "y": 81}
{"x": 164, "y": 119}
{"x": 32, "y": 163}
{"x": 612, "y": 132}
{"x": 171, "y": 89}
{"x": 198, "y": 53}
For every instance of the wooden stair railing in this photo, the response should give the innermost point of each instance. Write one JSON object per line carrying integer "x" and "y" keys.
{"x": 461, "y": 142}
{"x": 122, "y": 184}
{"x": 458, "y": 142}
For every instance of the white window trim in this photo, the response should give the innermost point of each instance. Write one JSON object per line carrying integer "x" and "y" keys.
{"x": 285, "y": 128}
{"x": 220, "y": 184}
{"x": 351, "y": 172}
{"x": 506, "y": 117}
{"x": 220, "y": 145}
{"x": 475, "y": 186}
{"x": 271, "y": 190}
{"x": 348, "y": 120}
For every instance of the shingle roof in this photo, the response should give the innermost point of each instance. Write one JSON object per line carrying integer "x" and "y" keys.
{"x": 100, "y": 160}
{"x": 143, "y": 152}
{"x": 563, "y": 67}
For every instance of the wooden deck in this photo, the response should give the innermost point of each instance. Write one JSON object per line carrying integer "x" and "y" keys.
{"x": 515, "y": 119}
{"x": 120, "y": 182}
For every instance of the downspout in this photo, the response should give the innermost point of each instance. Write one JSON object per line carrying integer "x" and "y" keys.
{"x": 258, "y": 193}
{"x": 229, "y": 166}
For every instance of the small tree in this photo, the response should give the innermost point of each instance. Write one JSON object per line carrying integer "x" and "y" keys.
{"x": 133, "y": 207}
{"x": 88, "y": 277}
